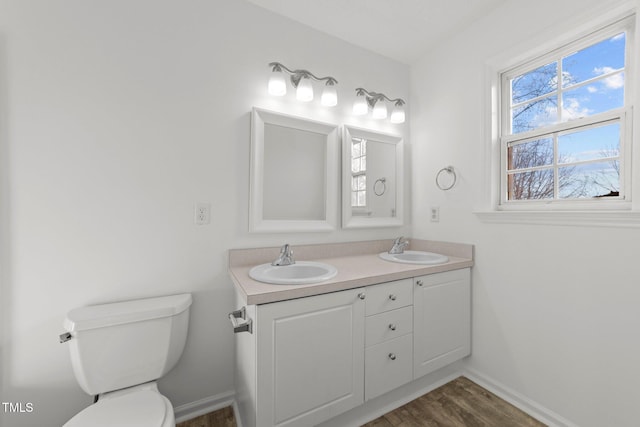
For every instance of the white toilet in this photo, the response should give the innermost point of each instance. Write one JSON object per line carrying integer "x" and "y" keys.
{"x": 118, "y": 351}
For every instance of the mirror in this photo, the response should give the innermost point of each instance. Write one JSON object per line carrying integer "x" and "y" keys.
{"x": 294, "y": 169}
{"x": 372, "y": 179}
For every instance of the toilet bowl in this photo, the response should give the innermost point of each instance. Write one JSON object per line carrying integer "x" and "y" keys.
{"x": 118, "y": 351}
{"x": 139, "y": 406}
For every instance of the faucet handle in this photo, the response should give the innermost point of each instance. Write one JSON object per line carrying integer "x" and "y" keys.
{"x": 286, "y": 250}
{"x": 398, "y": 240}
{"x": 285, "y": 257}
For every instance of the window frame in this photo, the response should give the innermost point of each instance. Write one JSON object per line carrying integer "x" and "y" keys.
{"x": 622, "y": 114}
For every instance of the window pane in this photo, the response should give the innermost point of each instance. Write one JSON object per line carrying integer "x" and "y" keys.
{"x": 602, "y": 57}
{"x": 362, "y": 182}
{"x": 600, "y": 179}
{"x": 533, "y": 115}
{"x": 597, "y": 97}
{"x": 530, "y": 154}
{"x": 362, "y": 200}
{"x": 590, "y": 144}
{"x": 355, "y": 165}
{"x": 531, "y": 185}
{"x": 354, "y": 199}
{"x": 533, "y": 84}
{"x": 355, "y": 149}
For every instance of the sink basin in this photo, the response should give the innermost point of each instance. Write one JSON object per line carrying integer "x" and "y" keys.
{"x": 415, "y": 257}
{"x": 300, "y": 273}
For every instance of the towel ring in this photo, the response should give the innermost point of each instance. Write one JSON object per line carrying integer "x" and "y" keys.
{"x": 451, "y": 171}
{"x": 382, "y": 181}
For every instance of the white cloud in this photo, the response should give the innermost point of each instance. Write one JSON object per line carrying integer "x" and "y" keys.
{"x": 592, "y": 89}
{"x": 573, "y": 110}
{"x": 614, "y": 81}
{"x": 616, "y": 38}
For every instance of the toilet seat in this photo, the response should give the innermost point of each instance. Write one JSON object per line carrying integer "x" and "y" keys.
{"x": 141, "y": 408}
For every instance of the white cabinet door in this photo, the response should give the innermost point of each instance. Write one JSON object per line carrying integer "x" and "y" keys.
{"x": 441, "y": 320}
{"x": 310, "y": 354}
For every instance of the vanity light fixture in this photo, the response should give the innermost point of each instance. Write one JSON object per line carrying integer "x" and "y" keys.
{"x": 301, "y": 80}
{"x": 377, "y": 102}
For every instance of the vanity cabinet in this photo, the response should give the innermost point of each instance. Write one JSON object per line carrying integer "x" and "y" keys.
{"x": 309, "y": 359}
{"x": 441, "y": 320}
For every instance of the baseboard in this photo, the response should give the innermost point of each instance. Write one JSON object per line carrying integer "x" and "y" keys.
{"x": 192, "y": 410}
{"x": 518, "y": 400}
{"x": 236, "y": 413}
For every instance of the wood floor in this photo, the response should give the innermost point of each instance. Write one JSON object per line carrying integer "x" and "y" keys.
{"x": 459, "y": 403}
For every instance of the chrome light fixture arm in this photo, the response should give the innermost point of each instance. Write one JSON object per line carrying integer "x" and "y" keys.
{"x": 297, "y": 75}
{"x": 373, "y": 97}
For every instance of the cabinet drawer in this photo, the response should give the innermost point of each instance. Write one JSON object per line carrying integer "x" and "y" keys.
{"x": 389, "y": 296}
{"x": 388, "y": 365}
{"x": 388, "y": 325}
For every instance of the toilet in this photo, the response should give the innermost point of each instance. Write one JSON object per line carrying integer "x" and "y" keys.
{"x": 118, "y": 351}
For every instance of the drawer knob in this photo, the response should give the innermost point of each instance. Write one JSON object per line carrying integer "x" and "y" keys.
{"x": 419, "y": 283}
{"x": 392, "y": 356}
{"x": 361, "y": 295}
{"x": 392, "y": 297}
{"x": 392, "y": 326}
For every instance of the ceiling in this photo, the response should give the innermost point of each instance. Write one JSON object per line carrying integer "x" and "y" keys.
{"x": 400, "y": 29}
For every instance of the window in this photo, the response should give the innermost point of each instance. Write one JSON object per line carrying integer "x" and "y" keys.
{"x": 358, "y": 172}
{"x": 564, "y": 135}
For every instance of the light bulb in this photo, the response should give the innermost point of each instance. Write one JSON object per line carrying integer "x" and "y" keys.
{"x": 329, "y": 96}
{"x": 397, "y": 115}
{"x": 277, "y": 85}
{"x": 380, "y": 110}
{"x": 360, "y": 107}
{"x": 305, "y": 90}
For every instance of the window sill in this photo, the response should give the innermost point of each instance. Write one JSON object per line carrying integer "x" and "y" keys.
{"x": 618, "y": 219}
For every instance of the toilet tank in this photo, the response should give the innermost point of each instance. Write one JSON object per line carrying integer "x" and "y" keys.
{"x": 122, "y": 344}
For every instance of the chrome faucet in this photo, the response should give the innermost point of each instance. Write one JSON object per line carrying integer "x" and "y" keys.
{"x": 285, "y": 257}
{"x": 398, "y": 246}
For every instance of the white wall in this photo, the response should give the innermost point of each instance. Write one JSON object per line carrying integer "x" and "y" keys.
{"x": 555, "y": 308}
{"x": 116, "y": 117}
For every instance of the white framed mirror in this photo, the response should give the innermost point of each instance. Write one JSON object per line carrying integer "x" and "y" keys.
{"x": 294, "y": 173}
{"x": 372, "y": 179}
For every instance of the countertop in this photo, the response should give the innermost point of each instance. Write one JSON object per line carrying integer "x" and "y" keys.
{"x": 355, "y": 269}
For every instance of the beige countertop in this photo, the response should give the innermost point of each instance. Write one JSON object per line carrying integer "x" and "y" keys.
{"x": 357, "y": 263}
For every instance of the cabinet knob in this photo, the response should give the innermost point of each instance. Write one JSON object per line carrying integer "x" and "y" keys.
{"x": 419, "y": 283}
{"x": 392, "y": 297}
{"x": 392, "y": 326}
{"x": 392, "y": 356}
{"x": 361, "y": 295}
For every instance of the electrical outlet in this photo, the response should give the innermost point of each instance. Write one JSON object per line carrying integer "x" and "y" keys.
{"x": 202, "y": 213}
{"x": 435, "y": 214}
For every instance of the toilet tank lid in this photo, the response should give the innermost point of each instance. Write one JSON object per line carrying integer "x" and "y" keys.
{"x": 102, "y": 315}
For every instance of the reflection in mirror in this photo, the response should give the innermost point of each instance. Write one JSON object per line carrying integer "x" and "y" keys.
{"x": 294, "y": 164}
{"x": 372, "y": 179}
{"x": 293, "y": 173}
